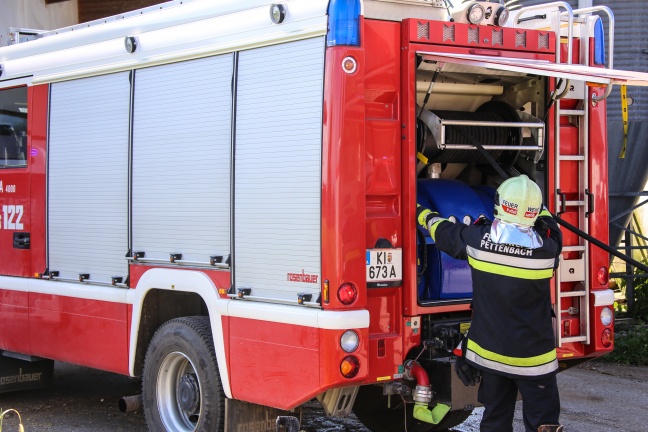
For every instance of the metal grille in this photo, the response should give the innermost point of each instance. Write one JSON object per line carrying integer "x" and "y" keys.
{"x": 473, "y": 35}
{"x": 520, "y": 39}
{"x": 498, "y": 37}
{"x": 543, "y": 41}
{"x": 423, "y": 31}
{"x": 448, "y": 33}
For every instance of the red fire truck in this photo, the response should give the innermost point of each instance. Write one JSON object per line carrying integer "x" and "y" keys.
{"x": 219, "y": 197}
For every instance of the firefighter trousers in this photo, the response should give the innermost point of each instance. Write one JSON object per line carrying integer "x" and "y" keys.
{"x": 498, "y": 394}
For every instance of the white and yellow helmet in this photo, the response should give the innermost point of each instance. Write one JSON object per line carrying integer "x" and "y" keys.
{"x": 518, "y": 200}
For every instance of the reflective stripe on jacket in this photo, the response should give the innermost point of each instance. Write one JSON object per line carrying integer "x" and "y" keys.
{"x": 512, "y": 328}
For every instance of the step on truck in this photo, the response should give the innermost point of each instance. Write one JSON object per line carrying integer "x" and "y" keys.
{"x": 219, "y": 198}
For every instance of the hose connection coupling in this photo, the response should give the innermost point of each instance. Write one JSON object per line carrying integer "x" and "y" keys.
{"x": 415, "y": 372}
{"x": 422, "y": 394}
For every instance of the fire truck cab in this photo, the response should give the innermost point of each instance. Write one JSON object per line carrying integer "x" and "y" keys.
{"x": 220, "y": 197}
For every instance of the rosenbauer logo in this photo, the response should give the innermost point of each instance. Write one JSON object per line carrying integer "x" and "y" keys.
{"x": 20, "y": 378}
{"x": 302, "y": 277}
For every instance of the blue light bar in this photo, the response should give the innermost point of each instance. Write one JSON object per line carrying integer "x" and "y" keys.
{"x": 343, "y": 23}
{"x": 599, "y": 43}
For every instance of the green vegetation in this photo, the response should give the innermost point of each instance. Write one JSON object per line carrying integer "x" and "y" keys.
{"x": 640, "y": 305}
{"x": 631, "y": 336}
{"x": 630, "y": 345}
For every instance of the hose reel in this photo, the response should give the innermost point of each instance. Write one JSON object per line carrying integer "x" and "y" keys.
{"x": 501, "y": 130}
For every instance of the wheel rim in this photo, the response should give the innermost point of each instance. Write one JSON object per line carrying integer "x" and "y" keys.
{"x": 178, "y": 393}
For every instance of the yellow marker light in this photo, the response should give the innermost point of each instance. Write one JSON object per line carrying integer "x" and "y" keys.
{"x": 325, "y": 291}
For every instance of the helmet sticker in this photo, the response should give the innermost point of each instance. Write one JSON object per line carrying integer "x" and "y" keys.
{"x": 509, "y": 207}
{"x": 531, "y": 212}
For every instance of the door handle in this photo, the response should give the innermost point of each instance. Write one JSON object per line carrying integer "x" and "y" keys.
{"x": 590, "y": 203}
{"x": 563, "y": 202}
{"x": 21, "y": 240}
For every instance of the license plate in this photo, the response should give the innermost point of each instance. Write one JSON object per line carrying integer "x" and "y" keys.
{"x": 384, "y": 267}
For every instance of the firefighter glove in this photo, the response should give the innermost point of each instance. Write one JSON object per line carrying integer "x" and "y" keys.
{"x": 466, "y": 373}
{"x": 424, "y": 215}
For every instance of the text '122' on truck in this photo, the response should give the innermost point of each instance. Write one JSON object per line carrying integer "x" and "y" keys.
{"x": 220, "y": 198}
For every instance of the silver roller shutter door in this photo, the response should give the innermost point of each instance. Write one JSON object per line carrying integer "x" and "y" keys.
{"x": 182, "y": 158}
{"x": 278, "y": 149}
{"x": 88, "y": 175}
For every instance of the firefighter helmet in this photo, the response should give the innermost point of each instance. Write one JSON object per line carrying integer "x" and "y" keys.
{"x": 518, "y": 200}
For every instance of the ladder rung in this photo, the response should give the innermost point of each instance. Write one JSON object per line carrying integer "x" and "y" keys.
{"x": 573, "y": 339}
{"x": 573, "y": 294}
{"x": 573, "y": 248}
{"x": 574, "y": 203}
{"x": 572, "y": 157}
{"x": 568, "y": 112}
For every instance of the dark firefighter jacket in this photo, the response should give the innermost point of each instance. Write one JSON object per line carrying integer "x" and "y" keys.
{"x": 511, "y": 332}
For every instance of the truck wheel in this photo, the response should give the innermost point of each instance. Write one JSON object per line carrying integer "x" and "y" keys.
{"x": 372, "y": 409}
{"x": 181, "y": 387}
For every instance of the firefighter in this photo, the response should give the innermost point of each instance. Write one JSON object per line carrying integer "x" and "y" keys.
{"x": 511, "y": 341}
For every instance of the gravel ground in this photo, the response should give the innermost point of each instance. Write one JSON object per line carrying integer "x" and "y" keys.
{"x": 596, "y": 397}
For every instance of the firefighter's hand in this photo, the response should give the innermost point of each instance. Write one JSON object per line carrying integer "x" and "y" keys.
{"x": 466, "y": 373}
{"x": 423, "y": 215}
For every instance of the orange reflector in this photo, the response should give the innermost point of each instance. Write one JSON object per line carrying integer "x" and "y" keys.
{"x": 325, "y": 291}
{"x": 349, "y": 367}
{"x": 349, "y": 65}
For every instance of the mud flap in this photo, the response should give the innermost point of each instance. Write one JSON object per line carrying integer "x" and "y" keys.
{"x": 248, "y": 417}
{"x": 287, "y": 424}
{"x": 24, "y": 372}
{"x": 447, "y": 386}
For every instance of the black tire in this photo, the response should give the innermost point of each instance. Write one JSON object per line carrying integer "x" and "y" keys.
{"x": 372, "y": 410}
{"x": 181, "y": 386}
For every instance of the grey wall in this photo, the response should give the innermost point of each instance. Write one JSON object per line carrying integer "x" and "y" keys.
{"x": 35, "y": 14}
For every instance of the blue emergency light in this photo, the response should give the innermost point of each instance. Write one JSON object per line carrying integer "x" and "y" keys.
{"x": 599, "y": 43}
{"x": 343, "y": 23}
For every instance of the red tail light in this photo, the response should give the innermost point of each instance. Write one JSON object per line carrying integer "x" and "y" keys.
{"x": 349, "y": 367}
{"x": 347, "y": 294}
{"x": 603, "y": 276}
{"x": 606, "y": 338}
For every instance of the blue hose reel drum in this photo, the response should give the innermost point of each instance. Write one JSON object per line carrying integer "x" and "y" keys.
{"x": 447, "y": 278}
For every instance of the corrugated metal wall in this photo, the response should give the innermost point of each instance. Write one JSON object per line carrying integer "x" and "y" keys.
{"x": 35, "y": 15}
{"x": 627, "y": 175}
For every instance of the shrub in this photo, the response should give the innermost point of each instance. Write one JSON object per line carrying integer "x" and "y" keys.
{"x": 640, "y": 304}
{"x": 630, "y": 346}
